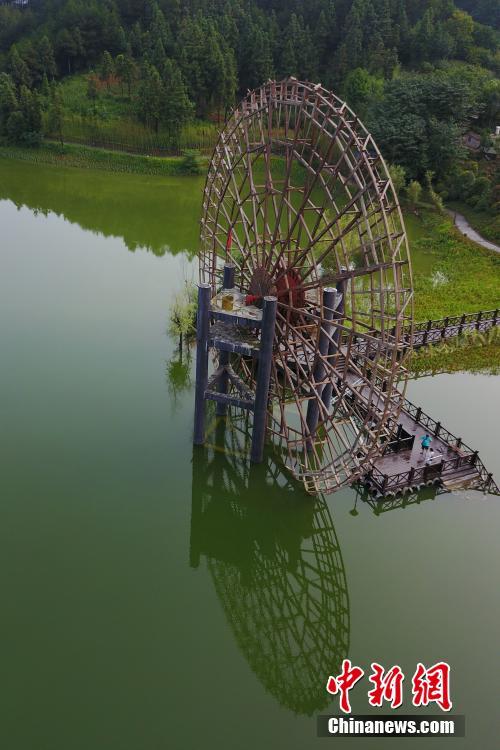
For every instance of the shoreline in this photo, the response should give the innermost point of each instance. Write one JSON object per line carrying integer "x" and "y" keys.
{"x": 90, "y": 157}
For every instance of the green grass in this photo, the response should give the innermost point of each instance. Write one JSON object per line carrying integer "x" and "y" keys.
{"x": 452, "y": 274}
{"x": 485, "y": 223}
{"x": 94, "y": 158}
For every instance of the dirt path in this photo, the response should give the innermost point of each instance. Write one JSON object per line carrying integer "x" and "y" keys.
{"x": 465, "y": 228}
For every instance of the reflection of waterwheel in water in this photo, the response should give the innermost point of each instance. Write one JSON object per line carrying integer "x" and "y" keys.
{"x": 299, "y": 199}
{"x": 277, "y": 570}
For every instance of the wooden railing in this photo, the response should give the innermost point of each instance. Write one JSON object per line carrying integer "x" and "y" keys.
{"x": 459, "y": 321}
{"x": 427, "y": 332}
{"x": 386, "y": 483}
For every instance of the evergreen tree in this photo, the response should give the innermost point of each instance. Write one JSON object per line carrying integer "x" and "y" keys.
{"x": 45, "y": 87}
{"x": 45, "y": 63}
{"x": 107, "y": 69}
{"x": 69, "y": 48}
{"x": 176, "y": 107}
{"x": 18, "y": 68}
{"x": 8, "y": 101}
{"x": 126, "y": 70}
{"x": 151, "y": 97}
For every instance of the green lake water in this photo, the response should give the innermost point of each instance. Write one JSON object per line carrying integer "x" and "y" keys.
{"x": 155, "y": 596}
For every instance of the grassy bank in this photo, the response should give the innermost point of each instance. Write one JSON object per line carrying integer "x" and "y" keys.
{"x": 110, "y": 121}
{"x": 486, "y": 224}
{"x": 86, "y": 157}
{"x": 452, "y": 274}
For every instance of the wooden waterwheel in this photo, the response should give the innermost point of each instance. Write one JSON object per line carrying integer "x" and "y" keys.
{"x": 299, "y": 199}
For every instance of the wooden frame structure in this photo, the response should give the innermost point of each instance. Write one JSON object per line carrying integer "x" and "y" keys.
{"x": 298, "y": 195}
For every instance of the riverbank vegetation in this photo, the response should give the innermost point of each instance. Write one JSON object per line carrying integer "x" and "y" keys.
{"x": 452, "y": 274}
{"x": 85, "y": 157}
{"x": 477, "y": 352}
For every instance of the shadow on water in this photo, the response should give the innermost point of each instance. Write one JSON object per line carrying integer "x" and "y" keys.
{"x": 400, "y": 502}
{"x": 276, "y": 565}
{"x": 160, "y": 214}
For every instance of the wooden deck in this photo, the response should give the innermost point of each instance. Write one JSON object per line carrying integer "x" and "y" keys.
{"x": 402, "y": 467}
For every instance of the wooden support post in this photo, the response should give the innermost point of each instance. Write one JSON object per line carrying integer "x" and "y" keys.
{"x": 334, "y": 343}
{"x": 411, "y": 474}
{"x": 224, "y": 357}
{"x": 228, "y": 281}
{"x": 437, "y": 429}
{"x": 459, "y": 442}
{"x": 202, "y": 326}
{"x": 462, "y": 323}
{"x": 312, "y": 418}
{"x": 418, "y": 414}
{"x": 445, "y": 326}
{"x": 474, "y": 457}
{"x": 478, "y": 320}
{"x": 341, "y": 287}
{"x": 495, "y": 316}
{"x": 263, "y": 377}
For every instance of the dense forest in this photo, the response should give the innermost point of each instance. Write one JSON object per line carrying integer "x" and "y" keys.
{"x": 420, "y": 73}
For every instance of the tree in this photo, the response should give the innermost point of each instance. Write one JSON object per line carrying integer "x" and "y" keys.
{"x": 69, "y": 48}
{"x": 183, "y": 315}
{"x": 29, "y": 104}
{"x": 45, "y": 63}
{"x": 126, "y": 70}
{"x": 460, "y": 27}
{"x": 413, "y": 192}
{"x": 20, "y": 117}
{"x": 18, "y": 68}
{"x": 176, "y": 109}
{"x": 151, "y": 97}
{"x": 418, "y": 122}
{"x": 398, "y": 177}
{"x": 360, "y": 89}
{"x": 45, "y": 87}
{"x": 55, "y": 118}
{"x": 107, "y": 69}
{"x": 8, "y": 101}
{"x": 435, "y": 197}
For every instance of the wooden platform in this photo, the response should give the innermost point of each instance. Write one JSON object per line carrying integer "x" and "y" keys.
{"x": 402, "y": 467}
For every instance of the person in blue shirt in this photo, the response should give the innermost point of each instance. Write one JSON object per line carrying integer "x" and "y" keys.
{"x": 426, "y": 442}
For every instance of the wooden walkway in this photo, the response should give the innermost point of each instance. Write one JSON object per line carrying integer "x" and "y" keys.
{"x": 402, "y": 466}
